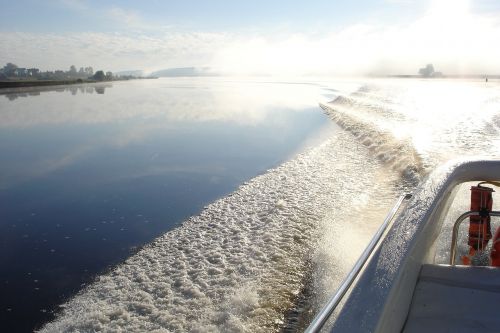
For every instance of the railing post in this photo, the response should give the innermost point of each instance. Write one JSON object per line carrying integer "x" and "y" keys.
{"x": 334, "y": 301}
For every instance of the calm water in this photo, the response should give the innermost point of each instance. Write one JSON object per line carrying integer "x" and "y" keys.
{"x": 89, "y": 174}
{"x": 281, "y": 202}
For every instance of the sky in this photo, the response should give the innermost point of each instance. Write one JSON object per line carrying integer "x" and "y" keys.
{"x": 258, "y": 37}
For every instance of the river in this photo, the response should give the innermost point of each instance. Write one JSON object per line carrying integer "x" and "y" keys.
{"x": 212, "y": 204}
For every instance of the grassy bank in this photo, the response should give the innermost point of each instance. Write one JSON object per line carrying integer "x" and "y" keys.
{"x": 39, "y": 83}
{"x": 43, "y": 83}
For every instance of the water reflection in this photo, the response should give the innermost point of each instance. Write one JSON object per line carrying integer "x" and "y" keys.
{"x": 133, "y": 112}
{"x": 13, "y": 93}
{"x": 167, "y": 100}
{"x": 86, "y": 177}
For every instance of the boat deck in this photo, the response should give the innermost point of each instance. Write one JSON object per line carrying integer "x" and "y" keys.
{"x": 455, "y": 299}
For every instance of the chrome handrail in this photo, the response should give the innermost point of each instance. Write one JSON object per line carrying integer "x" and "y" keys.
{"x": 321, "y": 318}
{"x": 454, "y": 236}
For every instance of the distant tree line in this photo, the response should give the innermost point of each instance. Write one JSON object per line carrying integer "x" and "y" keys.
{"x": 12, "y": 71}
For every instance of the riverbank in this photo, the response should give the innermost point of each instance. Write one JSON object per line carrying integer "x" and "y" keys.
{"x": 43, "y": 83}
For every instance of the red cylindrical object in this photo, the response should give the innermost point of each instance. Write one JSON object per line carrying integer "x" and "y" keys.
{"x": 479, "y": 226}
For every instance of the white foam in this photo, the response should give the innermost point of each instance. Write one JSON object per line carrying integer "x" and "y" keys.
{"x": 238, "y": 266}
{"x": 399, "y": 154}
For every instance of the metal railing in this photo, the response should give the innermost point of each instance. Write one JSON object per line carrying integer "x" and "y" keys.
{"x": 322, "y": 317}
{"x": 454, "y": 236}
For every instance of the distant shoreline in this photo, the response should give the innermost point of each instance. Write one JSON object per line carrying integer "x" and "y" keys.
{"x": 475, "y": 76}
{"x": 44, "y": 83}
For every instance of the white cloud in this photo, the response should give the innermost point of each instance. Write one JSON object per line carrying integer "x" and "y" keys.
{"x": 449, "y": 36}
{"x": 128, "y": 18}
{"x": 124, "y": 18}
{"x": 109, "y": 51}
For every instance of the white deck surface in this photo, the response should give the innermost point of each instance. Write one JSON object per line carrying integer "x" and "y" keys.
{"x": 455, "y": 299}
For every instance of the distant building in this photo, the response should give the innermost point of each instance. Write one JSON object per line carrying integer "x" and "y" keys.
{"x": 33, "y": 71}
{"x": 58, "y": 74}
{"x": 21, "y": 72}
{"x": 428, "y": 71}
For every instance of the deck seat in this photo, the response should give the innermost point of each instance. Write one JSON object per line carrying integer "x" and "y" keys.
{"x": 455, "y": 299}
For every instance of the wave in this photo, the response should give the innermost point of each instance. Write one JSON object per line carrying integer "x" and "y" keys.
{"x": 242, "y": 264}
{"x": 239, "y": 265}
{"x": 399, "y": 154}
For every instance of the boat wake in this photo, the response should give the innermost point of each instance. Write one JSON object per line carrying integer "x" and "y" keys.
{"x": 270, "y": 254}
{"x": 239, "y": 265}
{"x": 398, "y": 153}
{"x": 247, "y": 259}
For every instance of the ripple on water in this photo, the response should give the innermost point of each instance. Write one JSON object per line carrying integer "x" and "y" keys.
{"x": 237, "y": 266}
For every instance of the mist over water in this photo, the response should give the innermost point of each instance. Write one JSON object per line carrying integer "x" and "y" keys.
{"x": 90, "y": 173}
{"x": 268, "y": 255}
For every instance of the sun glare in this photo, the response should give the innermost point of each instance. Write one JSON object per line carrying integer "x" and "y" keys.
{"x": 449, "y": 15}
{"x": 449, "y": 35}
{"x": 450, "y": 8}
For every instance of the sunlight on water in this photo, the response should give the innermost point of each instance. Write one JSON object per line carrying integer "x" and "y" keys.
{"x": 442, "y": 119}
{"x": 268, "y": 256}
{"x": 215, "y": 100}
{"x": 446, "y": 113}
{"x": 90, "y": 173}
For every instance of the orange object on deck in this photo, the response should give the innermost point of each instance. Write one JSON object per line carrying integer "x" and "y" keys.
{"x": 479, "y": 225}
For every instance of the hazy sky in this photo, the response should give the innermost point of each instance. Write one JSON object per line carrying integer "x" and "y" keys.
{"x": 254, "y": 37}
